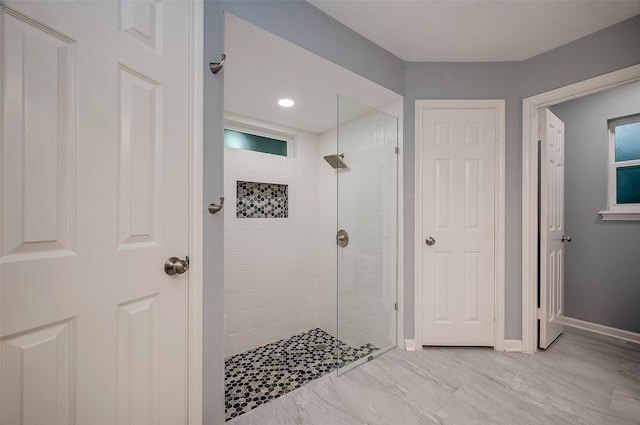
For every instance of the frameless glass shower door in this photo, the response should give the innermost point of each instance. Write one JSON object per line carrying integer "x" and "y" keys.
{"x": 367, "y": 165}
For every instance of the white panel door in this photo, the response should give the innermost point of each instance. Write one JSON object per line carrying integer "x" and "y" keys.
{"x": 458, "y": 225}
{"x": 551, "y": 226}
{"x": 93, "y": 140}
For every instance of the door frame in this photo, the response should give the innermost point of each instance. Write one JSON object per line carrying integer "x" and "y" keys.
{"x": 195, "y": 208}
{"x": 498, "y": 105}
{"x": 530, "y": 246}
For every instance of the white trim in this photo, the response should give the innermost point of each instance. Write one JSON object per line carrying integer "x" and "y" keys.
{"x": 195, "y": 215}
{"x": 499, "y": 209}
{"x": 400, "y": 228}
{"x": 513, "y": 345}
{"x": 620, "y": 215}
{"x": 252, "y": 126}
{"x": 530, "y": 108}
{"x": 410, "y": 344}
{"x": 600, "y": 329}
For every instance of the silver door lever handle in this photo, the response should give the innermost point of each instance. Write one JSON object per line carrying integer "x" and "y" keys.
{"x": 213, "y": 208}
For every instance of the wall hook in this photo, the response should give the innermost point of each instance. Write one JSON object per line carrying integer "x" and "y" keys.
{"x": 215, "y": 67}
{"x": 213, "y": 208}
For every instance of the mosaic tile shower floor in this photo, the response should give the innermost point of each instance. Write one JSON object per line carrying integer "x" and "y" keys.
{"x": 258, "y": 376}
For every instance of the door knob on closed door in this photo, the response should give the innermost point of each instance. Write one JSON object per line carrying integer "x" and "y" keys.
{"x": 174, "y": 265}
{"x": 342, "y": 238}
{"x": 566, "y": 238}
{"x": 430, "y": 241}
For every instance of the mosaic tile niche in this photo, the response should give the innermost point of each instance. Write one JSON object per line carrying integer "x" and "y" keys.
{"x": 261, "y": 200}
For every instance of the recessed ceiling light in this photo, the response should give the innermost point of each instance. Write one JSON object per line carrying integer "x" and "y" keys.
{"x": 287, "y": 103}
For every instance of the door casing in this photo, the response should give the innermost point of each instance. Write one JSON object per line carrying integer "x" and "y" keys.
{"x": 195, "y": 169}
{"x": 530, "y": 184}
{"x": 499, "y": 212}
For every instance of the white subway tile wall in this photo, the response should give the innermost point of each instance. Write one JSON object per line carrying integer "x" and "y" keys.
{"x": 270, "y": 269}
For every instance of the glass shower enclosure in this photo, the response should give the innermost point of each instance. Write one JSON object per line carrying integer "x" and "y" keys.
{"x": 366, "y": 241}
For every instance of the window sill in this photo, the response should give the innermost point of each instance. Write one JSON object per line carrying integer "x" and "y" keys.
{"x": 620, "y": 215}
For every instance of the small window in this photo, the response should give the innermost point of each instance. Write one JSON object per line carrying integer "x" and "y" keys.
{"x": 624, "y": 169}
{"x": 252, "y": 142}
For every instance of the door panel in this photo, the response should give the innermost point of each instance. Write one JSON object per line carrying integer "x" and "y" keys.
{"x": 94, "y": 185}
{"x": 139, "y": 156}
{"x": 37, "y": 366}
{"x": 37, "y": 207}
{"x": 458, "y": 223}
{"x": 551, "y": 226}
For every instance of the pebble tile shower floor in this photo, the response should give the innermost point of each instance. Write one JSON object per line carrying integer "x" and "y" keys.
{"x": 265, "y": 373}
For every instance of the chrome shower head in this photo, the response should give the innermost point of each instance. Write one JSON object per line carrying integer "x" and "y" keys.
{"x": 336, "y": 161}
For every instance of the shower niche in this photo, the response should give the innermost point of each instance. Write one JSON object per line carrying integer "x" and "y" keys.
{"x": 261, "y": 200}
{"x": 303, "y": 299}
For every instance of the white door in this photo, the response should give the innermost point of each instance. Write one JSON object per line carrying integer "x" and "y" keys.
{"x": 94, "y": 164}
{"x": 551, "y": 226}
{"x": 458, "y": 226}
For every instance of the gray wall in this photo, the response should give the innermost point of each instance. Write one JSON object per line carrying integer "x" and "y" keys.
{"x": 467, "y": 81}
{"x": 308, "y": 27}
{"x": 607, "y": 50}
{"x": 213, "y": 246}
{"x": 602, "y": 271}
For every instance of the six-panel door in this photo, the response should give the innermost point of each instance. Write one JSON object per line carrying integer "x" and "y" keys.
{"x": 551, "y": 226}
{"x": 458, "y": 147}
{"x": 94, "y": 183}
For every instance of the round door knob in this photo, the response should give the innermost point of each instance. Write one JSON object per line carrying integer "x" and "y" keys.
{"x": 174, "y": 266}
{"x": 342, "y": 238}
{"x": 430, "y": 241}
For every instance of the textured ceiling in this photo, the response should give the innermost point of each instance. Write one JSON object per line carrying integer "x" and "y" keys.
{"x": 475, "y": 31}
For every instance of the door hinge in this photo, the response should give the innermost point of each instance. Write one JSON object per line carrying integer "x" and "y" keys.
{"x": 397, "y": 149}
{"x": 396, "y": 306}
{"x": 539, "y": 313}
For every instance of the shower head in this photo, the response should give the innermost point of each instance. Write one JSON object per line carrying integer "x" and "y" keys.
{"x": 336, "y": 161}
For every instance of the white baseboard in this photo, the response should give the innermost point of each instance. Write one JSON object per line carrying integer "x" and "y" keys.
{"x": 513, "y": 345}
{"x": 600, "y": 329}
{"x": 410, "y": 344}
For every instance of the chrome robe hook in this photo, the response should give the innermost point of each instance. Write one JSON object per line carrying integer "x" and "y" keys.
{"x": 215, "y": 67}
{"x": 213, "y": 208}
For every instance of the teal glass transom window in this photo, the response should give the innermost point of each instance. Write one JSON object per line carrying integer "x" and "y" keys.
{"x": 251, "y": 142}
{"x": 626, "y": 159}
{"x": 627, "y": 141}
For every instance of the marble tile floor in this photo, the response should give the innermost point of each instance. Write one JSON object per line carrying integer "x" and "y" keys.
{"x": 265, "y": 373}
{"x": 580, "y": 379}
